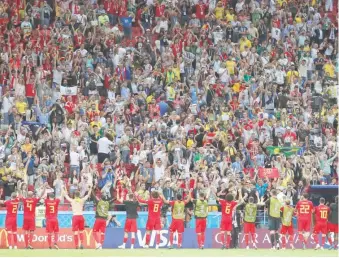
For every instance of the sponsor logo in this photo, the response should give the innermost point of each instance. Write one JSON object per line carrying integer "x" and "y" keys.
{"x": 88, "y": 234}
{"x": 40, "y": 240}
{"x": 3, "y": 238}
{"x": 164, "y": 238}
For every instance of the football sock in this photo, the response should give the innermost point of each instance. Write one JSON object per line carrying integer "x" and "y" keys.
{"x": 199, "y": 239}
{"x": 10, "y": 239}
{"x": 102, "y": 240}
{"x": 49, "y": 240}
{"x": 158, "y": 238}
{"x": 76, "y": 240}
{"x": 202, "y": 238}
{"x": 96, "y": 237}
{"x": 26, "y": 239}
{"x": 81, "y": 237}
{"x": 179, "y": 239}
{"x": 171, "y": 238}
{"x": 277, "y": 238}
{"x": 56, "y": 238}
{"x": 223, "y": 238}
{"x": 283, "y": 240}
{"x": 148, "y": 238}
{"x": 15, "y": 238}
{"x": 301, "y": 237}
{"x": 253, "y": 238}
{"x": 31, "y": 234}
{"x": 228, "y": 240}
{"x": 272, "y": 239}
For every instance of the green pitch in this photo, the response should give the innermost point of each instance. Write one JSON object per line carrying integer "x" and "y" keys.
{"x": 166, "y": 253}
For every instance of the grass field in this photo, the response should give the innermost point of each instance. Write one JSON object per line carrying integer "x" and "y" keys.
{"x": 167, "y": 253}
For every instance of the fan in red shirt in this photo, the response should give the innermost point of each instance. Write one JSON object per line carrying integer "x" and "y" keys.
{"x": 52, "y": 223}
{"x": 200, "y": 10}
{"x": 321, "y": 216}
{"x": 29, "y": 218}
{"x": 11, "y": 220}
{"x": 304, "y": 210}
{"x": 226, "y": 224}
{"x": 154, "y": 217}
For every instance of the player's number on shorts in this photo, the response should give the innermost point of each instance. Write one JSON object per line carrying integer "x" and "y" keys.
{"x": 156, "y": 208}
{"x": 228, "y": 209}
{"x": 323, "y": 214}
{"x": 14, "y": 209}
{"x": 51, "y": 209}
{"x": 29, "y": 206}
{"x": 304, "y": 209}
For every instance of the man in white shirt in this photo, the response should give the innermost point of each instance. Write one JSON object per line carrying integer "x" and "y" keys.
{"x": 7, "y": 103}
{"x": 74, "y": 157}
{"x": 280, "y": 76}
{"x": 57, "y": 76}
{"x": 159, "y": 170}
{"x": 104, "y": 145}
{"x": 276, "y": 34}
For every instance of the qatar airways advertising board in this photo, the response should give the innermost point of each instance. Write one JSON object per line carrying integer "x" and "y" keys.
{"x": 114, "y": 238}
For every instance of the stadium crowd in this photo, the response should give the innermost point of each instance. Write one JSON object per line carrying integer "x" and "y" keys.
{"x": 135, "y": 95}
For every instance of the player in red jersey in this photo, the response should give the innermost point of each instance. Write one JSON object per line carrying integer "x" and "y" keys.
{"x": 226, "y": 224}
{"x": 52, "y": 224}
{"x": 154, "y": 217}
{"x": 321, "y": 216}
{"x": 29, "y": 204}
{"x": 178, "y": 218}
{"x": 11, "y": 220}
{"x": 304, "y": 213}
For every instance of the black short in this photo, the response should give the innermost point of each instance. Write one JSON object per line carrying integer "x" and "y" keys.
{"x": 102, "y": 157}
{"x": 274, "y": 223}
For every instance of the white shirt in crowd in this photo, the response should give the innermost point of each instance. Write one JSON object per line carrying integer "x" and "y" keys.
{"x": 74, "y": 158}
{"x": 159, "y": 172}
{"x": 103, "y": 145}
{"x": 280, "y": 77}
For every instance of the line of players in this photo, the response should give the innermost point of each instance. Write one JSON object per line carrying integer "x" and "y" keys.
{"x": 326, "y": 219}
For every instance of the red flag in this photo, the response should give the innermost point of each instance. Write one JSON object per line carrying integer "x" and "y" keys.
{"x": 268, "y": 172}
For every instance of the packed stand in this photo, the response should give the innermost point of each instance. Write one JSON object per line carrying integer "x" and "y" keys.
{"x": 168, "y": 96}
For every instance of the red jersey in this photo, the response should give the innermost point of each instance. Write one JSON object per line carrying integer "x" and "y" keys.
{"x": 30, "y": 90}
{"x": 154, "y": 207}
{"x": 159, "y": 10}
{"x": 227, "y": 208}
{"x": 12, "y": 207}
{"x": 200, "y": 10}
{"x": 321, "y": 213}
{"x": 304, "y": 209}
{"x": 29, "y": 206}
{"x": 52, "y": 207}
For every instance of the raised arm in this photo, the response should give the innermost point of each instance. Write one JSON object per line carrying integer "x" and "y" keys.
{"x": 87, "y": 195}
{"x": 64, "y": 191}
{"x": 140, "y": 200}
{"x": 163, "y": 199}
